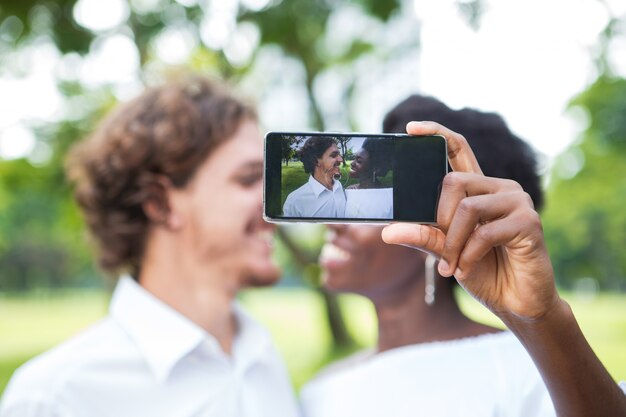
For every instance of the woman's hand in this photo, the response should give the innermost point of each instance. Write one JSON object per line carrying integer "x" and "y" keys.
{"x": 488, "y": 235}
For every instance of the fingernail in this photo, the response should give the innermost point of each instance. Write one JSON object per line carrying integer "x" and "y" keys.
{"x": 458, "y": 273}
{"x": 443, "y": 267}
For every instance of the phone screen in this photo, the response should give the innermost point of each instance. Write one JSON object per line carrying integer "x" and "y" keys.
{"x": 341, "y": 177}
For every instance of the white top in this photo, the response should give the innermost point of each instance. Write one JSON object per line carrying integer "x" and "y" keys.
{"x": 369, "y": 203}
{"x": 146, "y": 359}
{"x": 314, "y": 200}
{"x": 488, "y": 375}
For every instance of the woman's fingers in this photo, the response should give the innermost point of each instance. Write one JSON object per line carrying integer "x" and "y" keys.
{"x": 511, "y": 232}
{"x": 456, "y": 188}
{"x": 460, "y": 185}
{"x": 470, "y": 214}
{"x": 419, "y": 236}
{"x": 472, "y": 223}
{"x": 460, "y": 154}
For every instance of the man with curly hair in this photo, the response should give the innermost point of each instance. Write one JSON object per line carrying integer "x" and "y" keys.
{"x": 322, "y": 196}
{"x": 171, "y": 189}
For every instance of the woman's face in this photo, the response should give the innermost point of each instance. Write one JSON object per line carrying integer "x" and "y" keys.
{"x": 328, "y": 165}
{"x": 360, "y": 167}
{"x": 220, "y": 211}
{"x": 355, "y": 259}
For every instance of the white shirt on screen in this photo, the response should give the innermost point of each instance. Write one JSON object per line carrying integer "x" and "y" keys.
{"x": 369, "y": 203}
{"x": 314, "y": 200}
{"x": 488, "y": 375}
{"x": 146, "y": 359}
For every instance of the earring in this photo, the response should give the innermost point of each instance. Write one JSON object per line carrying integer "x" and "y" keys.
{"x": 429, "y": 279}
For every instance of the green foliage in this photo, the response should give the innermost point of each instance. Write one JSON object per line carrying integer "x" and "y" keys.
{"x": 40, "y": 244}
{"x": 605, "y": 105}
{"x": 299, "y": 28}
{"x": 42, "y": 236}
{"x": 42, "y": 239}
{"x": 585, "y": 219}
{"x": 289, "y": 147}
{"x": 55, "y": 17}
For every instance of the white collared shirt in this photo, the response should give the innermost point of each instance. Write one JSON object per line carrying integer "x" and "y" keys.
{"x": 314, "y": 200}
{"x": 369, "y": 203}
{"x": 146, "y": 359}
{"x": 487, "y": 375}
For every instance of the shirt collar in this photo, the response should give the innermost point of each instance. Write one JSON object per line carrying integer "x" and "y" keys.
{"x": 163, "y": 335}
{"x": 318, "y": 188}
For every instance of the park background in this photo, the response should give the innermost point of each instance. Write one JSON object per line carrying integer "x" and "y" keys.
{"x": 555, "y": 71}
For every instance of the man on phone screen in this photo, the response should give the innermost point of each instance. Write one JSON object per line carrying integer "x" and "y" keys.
{"x": 322, "y": 196}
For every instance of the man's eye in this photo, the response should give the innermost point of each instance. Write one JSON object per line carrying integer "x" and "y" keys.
{"x": 250, "y": 179}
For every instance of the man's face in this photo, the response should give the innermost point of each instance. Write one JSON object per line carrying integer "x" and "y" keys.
{"x": 221, "y": 211}
{"x": 328, "y": 165}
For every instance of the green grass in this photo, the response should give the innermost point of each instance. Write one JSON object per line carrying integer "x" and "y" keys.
{"x": 295, "y": 317}
{"x": 30, "y": 325}
{"x": 292, "y": 177}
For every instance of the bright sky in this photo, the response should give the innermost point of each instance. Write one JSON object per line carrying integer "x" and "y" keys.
{"x": 527, "y": 60}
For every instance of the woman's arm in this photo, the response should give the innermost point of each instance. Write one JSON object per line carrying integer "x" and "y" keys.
{"x": 490, "y": 238}
{"x": 578, "y": 383}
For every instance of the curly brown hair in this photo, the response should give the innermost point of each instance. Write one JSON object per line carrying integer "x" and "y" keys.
{"x": 166, "y": 132}
{"x": 313, "y": 149}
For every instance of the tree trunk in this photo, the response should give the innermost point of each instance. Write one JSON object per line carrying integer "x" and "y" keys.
{"x": 334, "y": 316}
{"x": 344, "y": 151}
{"x": 336, "y": 322}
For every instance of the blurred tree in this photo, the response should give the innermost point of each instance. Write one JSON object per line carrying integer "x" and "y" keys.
{"x": 585, "y": 216}
{"x": 349, "y": 155}
{"x": 52, "y": 18}
{"x": 42, "y": 239}
{"x": 38, "y": 219}
{"x": 40, "y": 229}
{"x": 585, "y": 219}
{"x": 343, "y": 145}
{"x": 298, "y": 26}
{"x": 36, "y": 250}
{"x": 290, "y": 148}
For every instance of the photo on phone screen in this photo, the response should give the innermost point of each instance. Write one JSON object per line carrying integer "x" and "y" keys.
{"x": 341, "y": 177}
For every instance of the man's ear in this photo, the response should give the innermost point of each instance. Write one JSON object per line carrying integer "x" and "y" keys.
{"x": 157, "y": 203}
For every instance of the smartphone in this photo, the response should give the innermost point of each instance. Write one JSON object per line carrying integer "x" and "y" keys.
{"x": 325, "y": 177}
